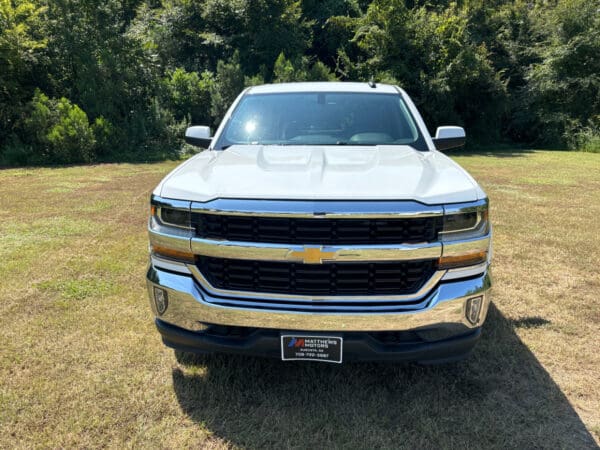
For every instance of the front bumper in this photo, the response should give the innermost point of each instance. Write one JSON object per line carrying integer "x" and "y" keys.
{"x": 441, "y": 325}
{"x": 357, "y": 346}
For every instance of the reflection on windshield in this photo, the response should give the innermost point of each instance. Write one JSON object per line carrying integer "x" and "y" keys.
{"x": 320, "y": 119}
{"x": 250, "y": 127}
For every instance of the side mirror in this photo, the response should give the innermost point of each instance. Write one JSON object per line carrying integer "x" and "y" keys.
{"x": 449, "y": 137}
{"x": 198, "y": 136}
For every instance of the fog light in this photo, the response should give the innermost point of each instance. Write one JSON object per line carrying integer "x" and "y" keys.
{"x": 161, "y": 300}
{"x": 473, "y": 309}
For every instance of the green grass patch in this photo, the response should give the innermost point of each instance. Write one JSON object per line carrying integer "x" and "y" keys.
{"x": 79, "y": 289}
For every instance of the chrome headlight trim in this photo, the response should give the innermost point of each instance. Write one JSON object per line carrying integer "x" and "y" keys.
{"x": 160, "y": 206}
{"x": 166, "y": 235}
{"x": 480, "y": 228}
{"x": 160, "y": 214}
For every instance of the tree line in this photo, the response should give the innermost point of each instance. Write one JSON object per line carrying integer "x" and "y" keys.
{"x": 84, "y": 81}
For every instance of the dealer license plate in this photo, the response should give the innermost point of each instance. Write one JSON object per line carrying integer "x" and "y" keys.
{"x": 311, "y": 348}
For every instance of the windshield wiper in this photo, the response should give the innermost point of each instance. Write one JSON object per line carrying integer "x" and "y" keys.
{"x": 356, "y": 143}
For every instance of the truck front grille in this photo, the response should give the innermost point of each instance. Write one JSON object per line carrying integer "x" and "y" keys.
{"x": 320, "y": 231}
{"x": 328, "y": 279}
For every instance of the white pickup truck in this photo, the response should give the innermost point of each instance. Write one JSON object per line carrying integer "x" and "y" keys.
{"x": 322, "y": 223}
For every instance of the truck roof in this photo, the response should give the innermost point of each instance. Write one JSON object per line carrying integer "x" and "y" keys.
{"x": 332, "y": 86}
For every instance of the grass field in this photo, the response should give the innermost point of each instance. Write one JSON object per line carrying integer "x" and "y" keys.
{"x": 82, "y": 365}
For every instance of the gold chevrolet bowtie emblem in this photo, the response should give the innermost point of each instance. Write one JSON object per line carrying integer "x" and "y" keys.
{"x": 311, "y": 255}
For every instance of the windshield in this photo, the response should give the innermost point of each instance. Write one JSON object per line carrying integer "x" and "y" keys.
{"x": 320, "y": 118}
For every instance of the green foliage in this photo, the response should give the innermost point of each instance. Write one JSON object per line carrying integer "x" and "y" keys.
{"x": 124, "y": 78}
{"x": 15, "y": 153}
{"x": 187, "y": 95}
{"x": 104, "y": 136}
{"x": 587, "y": 139}
{"x": 230, "y": 81}
{"x": 326, "y": 37}
{"x": 59, "y": 130}
{"x": 71, "y": 138}
{"x": 55, "y": 131}
{"x": 21, "y": 46}
{"x": 563, "y": 90}
{"x": 272, "y": 27}
{"x": 173, "y": 34}
{"x": 284, "y": 71}
{"x": 431, "y": 55}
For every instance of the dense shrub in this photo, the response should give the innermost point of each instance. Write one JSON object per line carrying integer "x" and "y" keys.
{"x": 187, "y": 95}
{"x": 587, "y": 139}
{"x": 59, "y": 130}
{"x": 230, "y": 81}
{"x": 285, "y": 71}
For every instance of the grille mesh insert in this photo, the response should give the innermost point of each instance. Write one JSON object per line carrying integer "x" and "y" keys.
{"x": 316, "y": 231}
{"x": 348, "y": 278}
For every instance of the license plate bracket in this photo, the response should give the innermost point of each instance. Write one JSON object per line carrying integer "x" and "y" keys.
{"x": 302, "y": 347}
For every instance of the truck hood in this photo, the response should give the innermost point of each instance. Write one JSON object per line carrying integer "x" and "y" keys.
{"x": 321, "y": 173}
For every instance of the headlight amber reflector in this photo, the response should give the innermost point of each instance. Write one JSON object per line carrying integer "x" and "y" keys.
{"x": 468, "y": 259}
{"x": 173, "y": 254}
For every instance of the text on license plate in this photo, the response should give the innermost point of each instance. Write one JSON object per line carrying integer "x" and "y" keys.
{"x": 312, "y": 348}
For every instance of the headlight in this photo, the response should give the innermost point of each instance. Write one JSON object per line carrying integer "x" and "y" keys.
{"x": 176, "y": 215}
{"x": 170, "y": 229}
{"x": 465, "y": 223}
{"x": 465, "y": 235}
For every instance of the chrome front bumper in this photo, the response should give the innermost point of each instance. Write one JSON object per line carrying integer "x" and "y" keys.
{"x": 442, "y": 314}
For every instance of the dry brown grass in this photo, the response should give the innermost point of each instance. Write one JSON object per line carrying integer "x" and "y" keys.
{"x": 82, "y": 366}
